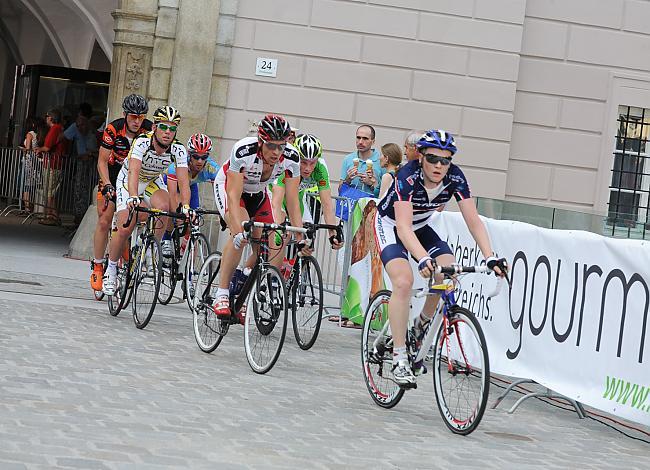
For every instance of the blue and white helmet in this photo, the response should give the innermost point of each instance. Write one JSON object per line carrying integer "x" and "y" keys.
{"x": 437, "y": 138}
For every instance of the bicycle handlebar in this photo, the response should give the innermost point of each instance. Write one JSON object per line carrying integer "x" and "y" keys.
{"x": 249, "y": 225}
{"x": 155, "y": 212}
{"x": 458, "y": 269}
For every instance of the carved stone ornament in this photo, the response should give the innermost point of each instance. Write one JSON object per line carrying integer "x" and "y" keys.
{"x": 134, "y": 70}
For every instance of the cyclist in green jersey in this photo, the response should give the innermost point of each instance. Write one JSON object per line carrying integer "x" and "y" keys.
{"x": 313, "y": 173}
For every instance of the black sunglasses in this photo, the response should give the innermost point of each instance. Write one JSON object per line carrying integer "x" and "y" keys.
{"x": 433, "y": 159}
{"x": 273, "y": 147}
{"x": 199, "y": 157}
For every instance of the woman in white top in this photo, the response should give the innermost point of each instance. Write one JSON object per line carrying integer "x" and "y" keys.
{"x": 31, "y": 141}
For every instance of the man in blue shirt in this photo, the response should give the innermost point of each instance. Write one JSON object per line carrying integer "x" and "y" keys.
{"x": 361, "y": 169}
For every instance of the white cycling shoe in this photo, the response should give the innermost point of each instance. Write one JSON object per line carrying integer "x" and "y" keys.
{"x": 109, "y": 283}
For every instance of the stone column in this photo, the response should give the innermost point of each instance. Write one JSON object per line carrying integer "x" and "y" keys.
{"x": 191, "y": 74}
{"x": 135, "y": 23}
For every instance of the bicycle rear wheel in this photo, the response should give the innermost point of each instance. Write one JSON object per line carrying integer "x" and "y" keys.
{"x": 266, "y": 320}
{"x": 208, "y": 328}
{"x": 198, "y": 252}
{"x": 168, "y": 279}
{"x": 377, "y": 353}
{"x": 306, "y": 301}
{"x": 461, "y": 371}
{"x": 147, "y": 282}
{"x": 117, "y": 301}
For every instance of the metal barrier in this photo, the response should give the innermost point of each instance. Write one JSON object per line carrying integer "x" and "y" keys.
{"x": 41, "y": 185}
{"x": 334, "y": 264}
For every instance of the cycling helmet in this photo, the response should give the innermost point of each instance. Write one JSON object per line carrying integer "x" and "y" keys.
{"x": 308, "y": 146}
{"x": 199, "y": 144}
{"x": 273, "y": 127}
{"x": 166, "y": 113}
{"x": 437, "y": 138}
{"x": 135, "y": 104}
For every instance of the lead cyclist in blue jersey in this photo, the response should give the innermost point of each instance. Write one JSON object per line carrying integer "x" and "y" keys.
{"x": 401, "y": 228}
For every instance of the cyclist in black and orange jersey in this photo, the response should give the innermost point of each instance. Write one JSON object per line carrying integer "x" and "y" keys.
{"x": 115, "y": 146}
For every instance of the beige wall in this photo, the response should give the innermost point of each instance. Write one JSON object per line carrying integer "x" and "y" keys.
{"x": 525, "y": 84}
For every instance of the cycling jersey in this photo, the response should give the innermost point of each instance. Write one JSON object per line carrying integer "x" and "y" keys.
{"x": 115, "y": 139}
{"x": 319, "y": 179}
{"x": 408, "y": 185}
{"x": 244, "y": 159}
{"x": 206, "y": 175}
{"x": 154, "y": 165}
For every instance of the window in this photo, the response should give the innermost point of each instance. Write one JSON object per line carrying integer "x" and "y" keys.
{"x": 629, "y": 201}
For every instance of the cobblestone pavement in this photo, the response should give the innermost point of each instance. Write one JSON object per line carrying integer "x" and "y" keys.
{"x": 81, "y": 389}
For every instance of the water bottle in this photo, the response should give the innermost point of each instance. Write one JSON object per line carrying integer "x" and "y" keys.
{"x": 238, "y": 280}
{"x": 287, "y": 267}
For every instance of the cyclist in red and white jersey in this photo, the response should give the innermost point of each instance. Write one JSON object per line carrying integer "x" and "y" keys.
{"x": 241, "y": 191}
{"x": 114, "y": 148}
{"x": 140, "y": 180}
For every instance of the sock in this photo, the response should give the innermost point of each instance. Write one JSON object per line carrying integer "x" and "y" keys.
{"x": 222, "y": 292}
{"x": 112, "y": 267}
{"x": 98, "y": 261}
{"x": 399, "y": 354}
{"x": 422, "y": 320}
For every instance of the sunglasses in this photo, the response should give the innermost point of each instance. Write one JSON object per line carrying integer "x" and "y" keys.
{"x": 137, "y": 116}
{"x": 196, "y": 156}
{"x": 433, "y": 159}
{"x": 273, "y": 147}
{"x": 165, "y": 127}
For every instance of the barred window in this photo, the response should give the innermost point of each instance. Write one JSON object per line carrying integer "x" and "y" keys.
{"x": 629, "y": 191}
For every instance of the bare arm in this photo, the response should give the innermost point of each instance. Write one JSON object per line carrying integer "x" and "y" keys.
{"x": 476, "y": 226}
{"x": 134, "y": 172}
{"x": 102, "y": 164}
{"x": 235, "y": 187}
{"x": 184, "y": 184}
{"x": 404, "y": 222}
{"x": 276, "y": 201}
{"x": 386, "y": 181}
{"x": 172, "y": 187}
{"x": 293, "y": 203}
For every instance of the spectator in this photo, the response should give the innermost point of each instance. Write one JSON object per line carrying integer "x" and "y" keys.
{"x": 360, "y": 169}
{"x": 53, "y": 148}
{"x": 36, "y": 131}
{"x": 391, "y": 158}
{"x": 410, "y": 150}
{"x": 84, "y": 152}
{"x": 292, "y": 135}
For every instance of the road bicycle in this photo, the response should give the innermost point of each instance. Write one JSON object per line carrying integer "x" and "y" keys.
{"x": 185, "y": 267}
{"x": 461, "y": 368}
{"x": 260, "y": 305}
{"x": 140, "y": 276}
{"x": 305, "y": 286}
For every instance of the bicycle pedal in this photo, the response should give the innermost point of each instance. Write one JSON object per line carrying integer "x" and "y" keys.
{"x": 411, "y": 386}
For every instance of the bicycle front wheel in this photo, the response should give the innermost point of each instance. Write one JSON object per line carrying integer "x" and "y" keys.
{"x": 198, "y": 251}
{"x": 377, "y": 353}
{"x": 266, "y": 320}
{"x": 307, "y": 301}
{"x": 147, "y": 282}
{"x": 208, "y": 328}
{"x": 117, "y": 301}
{"x": 461, "y": 371}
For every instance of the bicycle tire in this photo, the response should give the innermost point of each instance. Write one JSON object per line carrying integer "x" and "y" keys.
{"x": 147, "y": 274}
{"x": 99, "y": 295}
{"x": 209, "y": 330}
{"x": 266, "y": 310}
{"x": 377, "y": 366}
{"x": 306, "y": 323}
{"x": 461, "y": 407}
{"x": 198, "y": 252}
{"x": 116, "y": 300}
{"x": 168, "y": 279}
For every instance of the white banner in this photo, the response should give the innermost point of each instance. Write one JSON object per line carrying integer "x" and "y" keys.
{"x": 576, "y": 317}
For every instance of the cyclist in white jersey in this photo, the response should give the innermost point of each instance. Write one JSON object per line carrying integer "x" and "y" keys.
{"x": 140, "y": 180}
{"x": 241, "y": 192}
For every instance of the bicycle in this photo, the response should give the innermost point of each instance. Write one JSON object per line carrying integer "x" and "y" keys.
{"x": 305, "y": 284}
{"x": 461, "y": 369}
{"x": 189, "y": 262}
{"x": 262, "y": 296}
{"x": 144, "y": 270}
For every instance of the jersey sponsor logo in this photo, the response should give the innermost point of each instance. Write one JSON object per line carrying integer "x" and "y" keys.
{"x": 322, "y": 183}
{"x": 380, "y": 232}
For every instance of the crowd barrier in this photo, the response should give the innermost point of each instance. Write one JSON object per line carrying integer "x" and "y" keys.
{"x": 36, "y": 185}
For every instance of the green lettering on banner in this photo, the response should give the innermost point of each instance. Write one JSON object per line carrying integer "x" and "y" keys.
{"x": 610, "y": 387}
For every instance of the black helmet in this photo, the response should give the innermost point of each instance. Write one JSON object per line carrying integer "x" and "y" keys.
{"x": 273, "y": 127}
{"x": 135, "y": 104}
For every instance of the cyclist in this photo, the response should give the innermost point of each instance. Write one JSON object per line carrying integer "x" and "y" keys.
{"x": 114, "y": 147}
{"x": 140, "y": 179}
{"x": 313, "y": 173}
{"x": 202, "y": 169}
{"x": 241, "y": 191}
{"x": 401, "y": 228}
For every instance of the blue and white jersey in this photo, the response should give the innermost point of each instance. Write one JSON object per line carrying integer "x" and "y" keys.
{"x": 408, "y": 185}
{"x": 206, "y": 175}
